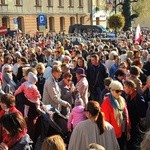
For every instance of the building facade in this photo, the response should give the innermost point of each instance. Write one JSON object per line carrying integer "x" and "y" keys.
{"x": 60, "y": 14}
{"x": 99, "y": 12}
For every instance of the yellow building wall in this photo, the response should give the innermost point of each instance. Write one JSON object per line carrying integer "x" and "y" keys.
{"x": 29, "y": 12}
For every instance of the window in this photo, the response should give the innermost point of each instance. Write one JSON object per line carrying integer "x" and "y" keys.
{"x": 72, "y": 20}
{"x": 50, "y": 3}
{"x": 60, "y": 3}
{"x": 18, "y": 2}
{"x": 37, "y": 3}
{"x": 80, "y": 3}
{"x": 62, "y": 24}
{"x": 81, "y": 20}
{"x": 21, "y": 23}
{"x": 2, "y": 2}
{"x": 51, "y": 24}
{"x": 5, "y": 22}
{"x": 71, "y": 3}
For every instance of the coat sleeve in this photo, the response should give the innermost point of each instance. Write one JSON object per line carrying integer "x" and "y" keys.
{"x": 105, "y": 107}
{"x": 36, "y": 93}
{"x": 70, "y": 120}
{"x": 19, "y": 90}
{"x": 54, "y": 95}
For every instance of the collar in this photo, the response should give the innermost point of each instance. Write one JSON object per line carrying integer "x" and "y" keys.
{"x": 132, "y": 96}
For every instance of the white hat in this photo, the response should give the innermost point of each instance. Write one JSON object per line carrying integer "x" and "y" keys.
{"x": 32, "y": 77}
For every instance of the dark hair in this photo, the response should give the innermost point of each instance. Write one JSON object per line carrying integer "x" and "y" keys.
{"x": 107, "y": 81}
{"x": 67, "y": 74}
{"x": 14, "y": 123}
{"x": 134, "y": 70}
{"x": 24, "y": 60}
{"x": 130, "y": 84}
{"x": 119, "y": 72}
{"x": 83, "y": 60}
{"x": 95, "y": 56}
{"x": 94, "y": 109}
{"x": 8, "y": 99}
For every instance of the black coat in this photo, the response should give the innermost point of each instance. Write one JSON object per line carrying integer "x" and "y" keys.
{"x": 92, "y": 72}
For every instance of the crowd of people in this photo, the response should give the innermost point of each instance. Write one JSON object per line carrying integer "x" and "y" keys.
{"x": 100, "y": 87}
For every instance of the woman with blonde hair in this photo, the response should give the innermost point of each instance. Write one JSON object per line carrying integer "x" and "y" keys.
{"x": 116, "y": 113}
{"x": 54, "y": 142}
{"x": 41, "y": 80}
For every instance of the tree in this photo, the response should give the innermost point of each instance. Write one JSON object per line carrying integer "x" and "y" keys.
{"x": 116, "y": 21}
{"x": 126, "y": 12}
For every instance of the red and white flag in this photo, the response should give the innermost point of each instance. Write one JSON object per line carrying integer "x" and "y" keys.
{"x": 19, "y": 31}
{"x": 138, "y": 34}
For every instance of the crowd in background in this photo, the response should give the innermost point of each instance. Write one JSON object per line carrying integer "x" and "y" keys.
{"x": 102, "y": 87}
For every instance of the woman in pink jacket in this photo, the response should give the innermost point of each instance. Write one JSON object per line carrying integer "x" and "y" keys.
{"x": 77, "y": 114}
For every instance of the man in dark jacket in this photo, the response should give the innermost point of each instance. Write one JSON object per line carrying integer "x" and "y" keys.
{"x": 146, "y": 67}
{"x": 137, "y": 110}
{"x": 96, "y": 73}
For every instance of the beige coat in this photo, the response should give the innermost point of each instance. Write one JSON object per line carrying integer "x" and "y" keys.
{"x": 52, "y": 94}
{"x": 87, "y": 132}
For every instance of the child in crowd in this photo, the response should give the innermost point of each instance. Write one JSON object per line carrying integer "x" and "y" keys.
{"x": 31, "y": 93}
{"x": 77, "y": 114}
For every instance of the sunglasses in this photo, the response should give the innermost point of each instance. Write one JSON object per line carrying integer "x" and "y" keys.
{"x": 8, "y": 71}
{"x": 118, "y": 91}
{"x": 69, "y": 80}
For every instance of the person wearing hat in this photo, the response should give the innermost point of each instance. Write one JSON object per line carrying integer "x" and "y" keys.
{"x": 31, "y": 93}
{"x": 82, "y": 84}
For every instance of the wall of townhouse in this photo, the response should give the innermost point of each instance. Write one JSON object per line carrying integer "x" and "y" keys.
{"x": 30, "y": 24}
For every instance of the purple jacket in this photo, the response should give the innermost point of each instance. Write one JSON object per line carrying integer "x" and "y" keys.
{"x": 77, "y": 115}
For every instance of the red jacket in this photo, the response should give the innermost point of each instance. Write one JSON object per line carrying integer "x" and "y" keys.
{"x": 108, "y": 110}
{"x": 3, "y": 133}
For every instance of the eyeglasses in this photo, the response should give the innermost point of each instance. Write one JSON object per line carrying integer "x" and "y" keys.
{"x": 118, "y": 91}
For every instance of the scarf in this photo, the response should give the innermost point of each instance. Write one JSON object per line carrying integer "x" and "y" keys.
{"x": 118, "y": 106}
{"x": 11, "y": 141}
